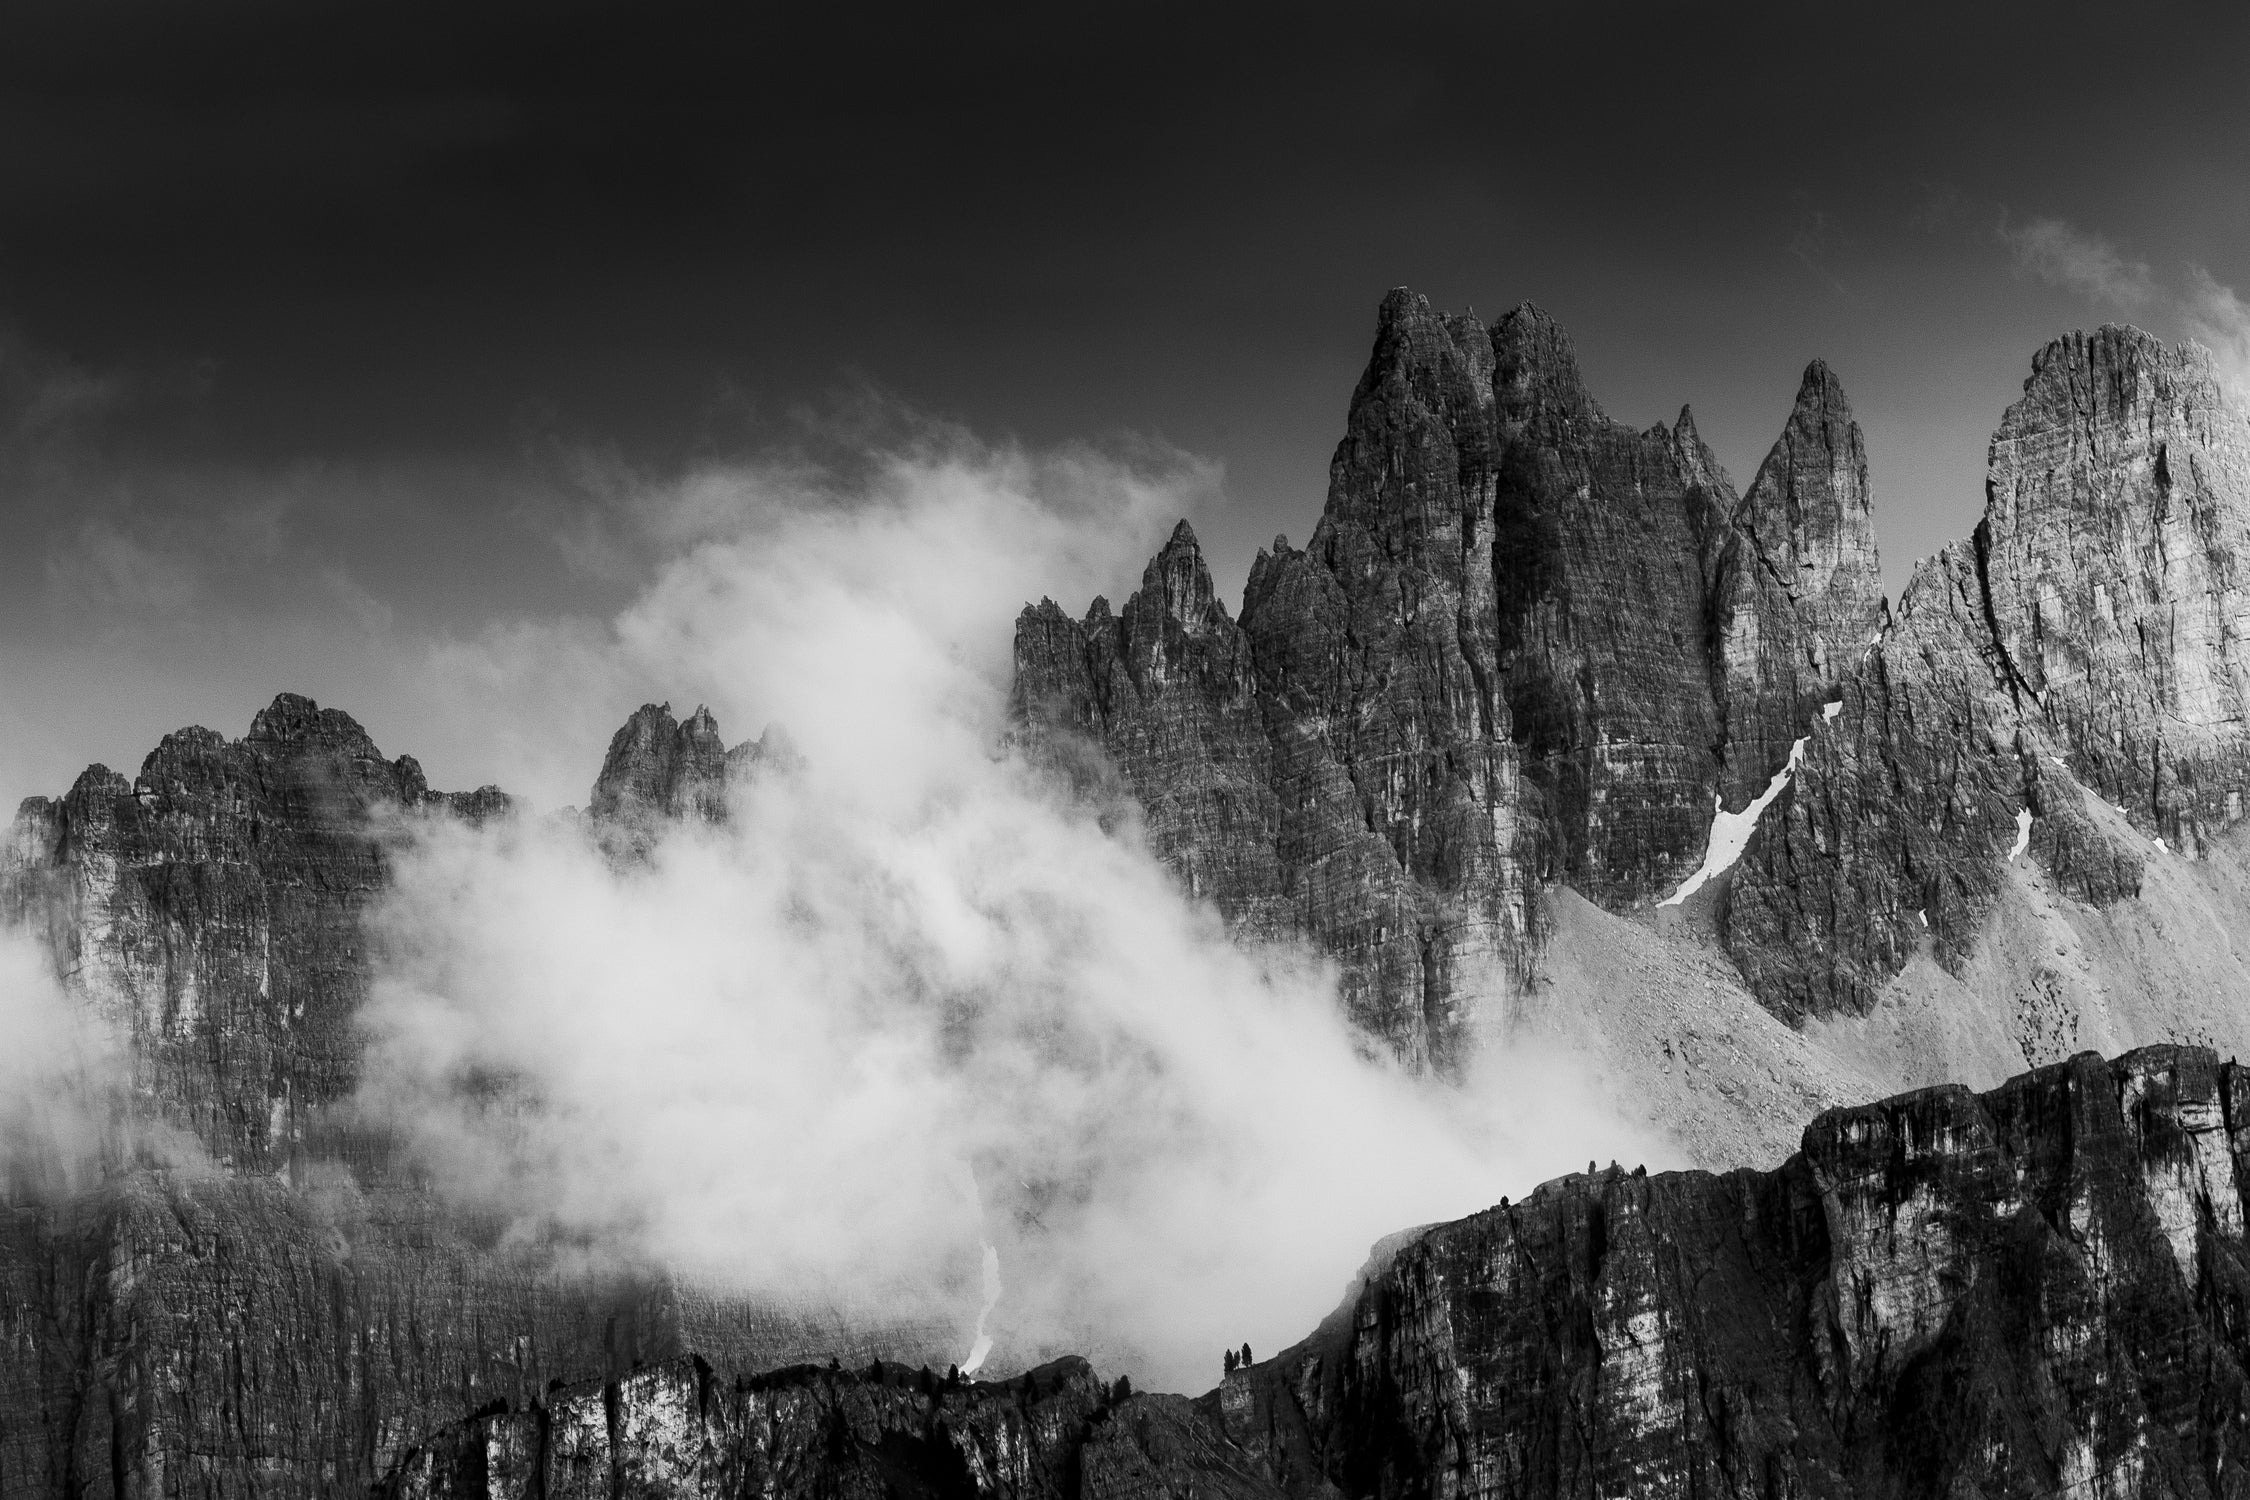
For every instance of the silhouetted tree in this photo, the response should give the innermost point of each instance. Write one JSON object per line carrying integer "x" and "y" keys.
{"x": 1246, "y": 1360}
{"x": 1230, "y": 1361}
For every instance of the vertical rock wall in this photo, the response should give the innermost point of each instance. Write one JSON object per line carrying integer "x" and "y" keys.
{"x": 1525, "y": 644}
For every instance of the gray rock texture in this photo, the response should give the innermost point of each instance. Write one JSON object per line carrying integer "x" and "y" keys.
{"x": 2082, "y": 644}
{"x": 210, "y": 909}
{"x": 660, "y": 771}
{"x": 2112, "y": 549}
{"x": 1528, "y": 645}
{"x": 1525, "y": 644}
{"x": 2034, "y": 1291}
{"x": 1802, "y": 555}
{"x": 1054, "y": 1433}
{"x": 277, "y": 1305}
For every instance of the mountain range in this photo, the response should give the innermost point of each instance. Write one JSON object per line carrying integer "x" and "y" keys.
{"x": 1548, "y": 735}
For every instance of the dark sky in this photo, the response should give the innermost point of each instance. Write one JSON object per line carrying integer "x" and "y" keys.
{"x": 319, "y": 317}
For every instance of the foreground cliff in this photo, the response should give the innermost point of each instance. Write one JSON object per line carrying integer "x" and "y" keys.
{"x": 2040, "y": 1290}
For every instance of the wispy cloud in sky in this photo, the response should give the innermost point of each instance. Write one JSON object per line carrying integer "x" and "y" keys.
{"x": 2217, "y": 316}
{"x": 2090, "y": 265}
{"x": 2077, "y": 260}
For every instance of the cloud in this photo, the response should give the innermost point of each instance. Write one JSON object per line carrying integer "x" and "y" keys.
{"x": 44, "y": 398}
{"x": 110, "y": 574}
{"x": 913, "y": 1000}
{"x": 2078, "y": 261}
{"x": 2088, "y": 264}
{"x": 2217, "y": 317}
{"x": 1814, "y": 242}
{"x": 60, "y": 1078}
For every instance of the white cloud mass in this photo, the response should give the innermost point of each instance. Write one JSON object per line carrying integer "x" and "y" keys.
{"x": 913, "y": 999}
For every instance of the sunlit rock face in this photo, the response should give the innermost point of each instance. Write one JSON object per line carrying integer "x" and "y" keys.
{"x": 2084, "y": 644}
{"x": 2032, "y": 1291}
{"x": 1526, "y": 643}
{"x": 2113, "y": 545}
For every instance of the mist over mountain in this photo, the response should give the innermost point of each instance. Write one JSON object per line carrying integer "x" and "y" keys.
{"x": 1109, "y": 994}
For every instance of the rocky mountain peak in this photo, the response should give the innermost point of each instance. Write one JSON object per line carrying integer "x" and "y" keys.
{"x": 1176, "y": 585}
{"x": 293, "y": 720}
{"x": 2117, "y": 505}
{"x": 659, "y": 770}
{"x": 1535, "y": 369}
{"x": 1809, "y": 513}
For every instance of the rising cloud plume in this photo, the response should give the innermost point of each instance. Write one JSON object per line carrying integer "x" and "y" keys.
{"x": 912, "y": 1000}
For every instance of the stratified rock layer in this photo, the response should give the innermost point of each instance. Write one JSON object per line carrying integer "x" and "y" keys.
{"x": 2035, "y": 1291}
{"x": 1054, "y": 1433}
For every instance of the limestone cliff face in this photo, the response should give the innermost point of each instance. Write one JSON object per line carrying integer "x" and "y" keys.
{"x": 1603, "y": 541}
{"x": 1529, "y": 645}
{"x": 1168, "y": 682}
{"x": 2118, "y": 510}
{"x": 1798, "y": 594}
{"x": 281, "y": 1318}
{"x": 2034, "y": 1291}
{"x": 210, "y": 909}
{"x": 2083, "y": 644}
{"x": 660, "y": 770}
{"x": 1525, "y": 644}
{"x": 1054, "y": 1433}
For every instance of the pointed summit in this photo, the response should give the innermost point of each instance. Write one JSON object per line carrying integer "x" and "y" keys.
{"x": 658, "y": 768}
{"x": 1176, "y": 587}
{"x": 1809, "y": 516}
{"x": 1535, "y": 375}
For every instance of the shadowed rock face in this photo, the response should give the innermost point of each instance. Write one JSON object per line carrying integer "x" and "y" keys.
{"x": 2034, "y": 1291}
{"x": 210, "y": 908}
{"x": 1526, "y": 643}
{"x": 280, "y": 1318}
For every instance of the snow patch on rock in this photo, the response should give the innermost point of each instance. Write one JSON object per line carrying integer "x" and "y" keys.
{"x": 1730, "y": 832}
